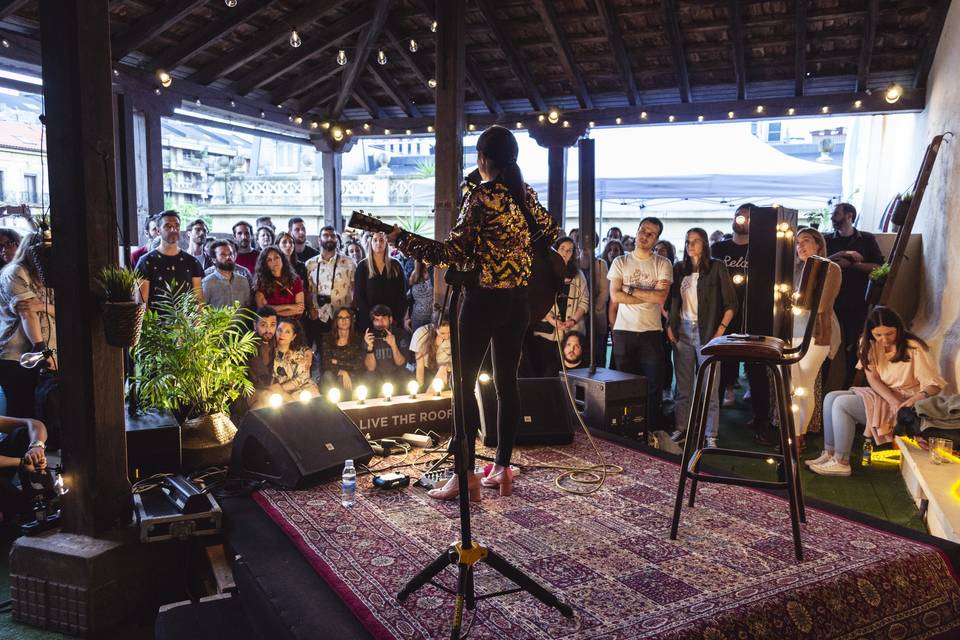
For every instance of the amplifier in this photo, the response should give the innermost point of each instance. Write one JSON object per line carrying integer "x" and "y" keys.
{"x": 610, "y": 400}
{"x": 153, "y": 444}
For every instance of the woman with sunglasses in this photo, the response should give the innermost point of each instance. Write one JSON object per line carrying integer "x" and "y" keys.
{"x": 342, "y": 353}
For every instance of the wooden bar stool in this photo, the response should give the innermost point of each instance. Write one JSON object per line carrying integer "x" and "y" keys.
{"x": 774, "y": 354}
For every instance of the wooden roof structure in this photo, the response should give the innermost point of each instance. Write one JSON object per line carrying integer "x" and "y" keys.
{"x": 589, "y": 58}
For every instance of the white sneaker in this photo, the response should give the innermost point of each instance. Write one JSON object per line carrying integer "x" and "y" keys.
{"x": 823, "y": 458}
{"x": 831, "y": 468}
{"x": 746, "y": 395}
{"x": 711, "y": 443}
{"x": 678, "y": 436}
{"x": 729, "y": 397}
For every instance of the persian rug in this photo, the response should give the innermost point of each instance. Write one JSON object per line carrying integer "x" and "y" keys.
{"x": 730, "y": 574}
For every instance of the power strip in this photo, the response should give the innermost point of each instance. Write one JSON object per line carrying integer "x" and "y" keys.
{"x": 417, "y": 440}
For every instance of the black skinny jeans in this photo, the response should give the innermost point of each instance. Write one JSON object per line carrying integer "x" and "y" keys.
{"x": 496, "y": 318}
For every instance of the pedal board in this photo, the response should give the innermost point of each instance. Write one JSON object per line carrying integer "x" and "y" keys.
{"x": 433, "y": 479}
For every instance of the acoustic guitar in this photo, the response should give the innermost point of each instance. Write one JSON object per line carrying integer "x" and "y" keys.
{"x": 546, "y": 278}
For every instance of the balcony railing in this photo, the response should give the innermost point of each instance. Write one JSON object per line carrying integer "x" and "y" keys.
{"x": 301, "y": 190}
{"x": 32, "y": 198}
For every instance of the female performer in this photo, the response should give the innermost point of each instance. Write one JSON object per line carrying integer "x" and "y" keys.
{"x": 492, "y": 236}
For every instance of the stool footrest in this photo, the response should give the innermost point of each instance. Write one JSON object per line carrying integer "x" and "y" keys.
{"x": 741, "y": 482}
{"x": 738, "y": 453}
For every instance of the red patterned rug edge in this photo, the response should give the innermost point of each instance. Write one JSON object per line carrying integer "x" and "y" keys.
{"x": 354, "y": 604}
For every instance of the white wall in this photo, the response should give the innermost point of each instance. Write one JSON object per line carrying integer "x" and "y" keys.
{"x": 938, "y": 317}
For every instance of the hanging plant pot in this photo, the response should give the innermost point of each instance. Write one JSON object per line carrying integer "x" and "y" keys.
{"x": 207, "y": 441}
{"x": 900, "y": 212}
{"x": 874, "y": 289}
{"x": 122, "y": 322}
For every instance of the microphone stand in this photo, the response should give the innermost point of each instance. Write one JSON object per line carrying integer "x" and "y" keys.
{"x": 466, "y": 553}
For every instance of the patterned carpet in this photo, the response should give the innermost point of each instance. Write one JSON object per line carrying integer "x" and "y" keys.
{"x": 730, "y": 574}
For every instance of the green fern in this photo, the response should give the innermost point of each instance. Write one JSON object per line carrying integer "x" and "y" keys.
{"x": 119, "y": 284}
{"x": 192, "y": 358}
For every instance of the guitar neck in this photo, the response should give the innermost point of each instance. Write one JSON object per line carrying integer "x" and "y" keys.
{"x": 364, "y": 222}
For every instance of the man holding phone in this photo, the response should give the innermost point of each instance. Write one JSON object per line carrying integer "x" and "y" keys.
{"x": 387, "y": 345}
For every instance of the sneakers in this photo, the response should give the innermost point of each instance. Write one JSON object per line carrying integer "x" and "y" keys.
{"x": 824, "y": 457}
{"x": 711, "y": 443}
{"x": 746, "y": 395}
{"x": 678, "y": 436}
{"x": 831, "y": 468}
{"x": 729, "y": 397}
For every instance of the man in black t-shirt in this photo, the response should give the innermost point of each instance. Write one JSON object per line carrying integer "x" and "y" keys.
{"x": 858, "y": 254}
{"x": 387, "y": 346}
{"x": 168, "y": 264}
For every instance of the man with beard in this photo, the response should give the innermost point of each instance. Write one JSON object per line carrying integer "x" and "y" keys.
{"x": 298, "y": 229}
{"x": 330, "y": 278}
{"x": 225, "y": 285}
{"x": 196, "y": 239}
{"x": 168, "y": 265}
{"x": 858, "y": 254}
{"x": 247, "y": 257}
{"x": 572, "y": 346}
{"x": 260, "y": 364}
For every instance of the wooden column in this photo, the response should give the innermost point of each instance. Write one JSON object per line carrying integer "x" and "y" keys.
{"x": 557, "y": 139}
{"x": 154, "y": 162}
{"x": 126, "y": 176}
{"x": 332, "y": 189}
{"x": 75, "y": 41}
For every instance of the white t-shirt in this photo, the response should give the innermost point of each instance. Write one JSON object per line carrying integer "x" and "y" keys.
{"x": 688, "y": 296}
{"x": 640, "y": 275}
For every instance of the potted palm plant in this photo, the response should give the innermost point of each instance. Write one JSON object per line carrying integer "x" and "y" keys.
{"x": 192, "y": 360}
{"x": 878, "y": 277}
{"x": 122, "y": 314}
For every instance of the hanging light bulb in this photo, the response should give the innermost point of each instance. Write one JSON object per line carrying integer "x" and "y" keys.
{"x": 893, "y": 94}
{"x": 387, "y": 391}
{"x": 413, "y": 46}
{"x": 297, "y": 120}
{"x": 31, "y": 359}
{"x": 671, "y": 118}
{"x": 337, "y": 134}
{"x": 333, "y": 395}
{"x": 165, "y": 78}
{"x": 381, "y": 57}
{"x": 730, "y": 114}
{"x": 295, "y": 39}
{"x": 412, "y": 388}
{"x": 230, "y": 3}
{"x": 791, "y": 111}
{"x": 643, "y": 115}
{"x": 432, "y": 83}
{"x": 429, "y": 128}
{"x": 553, "y": 115}
{"x": 341, "y": 57}
{"x": 433, "y": 27}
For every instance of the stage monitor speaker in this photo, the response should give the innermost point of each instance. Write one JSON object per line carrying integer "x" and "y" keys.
{"x": 297, "y": 444}
{"x": 610, "y": 400}
{"x": 153, "y": 444}
{"x": 545, "y": 413}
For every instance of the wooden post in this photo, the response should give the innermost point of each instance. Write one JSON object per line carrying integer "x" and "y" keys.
{"x": 451, "y": 53}
{"x": 557, "y": 139}
{"x": 332, "y": 162}
{"x": 154, "y": 162}
{"x": 75, "y": 41}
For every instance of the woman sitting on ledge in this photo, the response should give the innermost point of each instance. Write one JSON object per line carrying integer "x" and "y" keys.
{"x": 900, "y": 373}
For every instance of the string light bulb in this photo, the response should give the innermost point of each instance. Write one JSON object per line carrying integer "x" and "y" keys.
{"x": 553, "y": 115}
{"x": 233, "y": 105}
{"x": 759, "y": 108}
{"x": 484, "y": 377}
{"x": 857, "y": 104}
{"x": 336, "y": 133}
{"x": 387, "y": 391}
{"x": 412, "y": 387}
{"x": 386, "y": 132}
{"x": 360, "y": 393}
{"x": 314, "y": 124}
{"x": 298, "y": 120}
{"x": 618, "y": 120}
{"x": 541, "y": 118}
{"x": 671, "y": 118}
{"x": 518, "y": 125}
{"x": 325, "y": 125}
{"x": 429, "y": 128}
{"x": 433, "y": 27}
{"x": 295, "y": 39}
{"x": 156, "y": 91}
{"x": 471, "y": 127}
{"x": 699, "y": 118}
{"x": 791, "y": 111}
{"x": 591, "y": 124}
{"x": 341, "y": 57}
{"x": 414, "y": 47}
{"x": 381, "y": 57}
{"x": 333, "y": 395}
{"x": 305, "y": 396}
{"x": 230, "y": 3}
{"x": 730, "y": 114}
{"x": 165, "y": 78}
{"x": 409, "y": 132}
{"x": 893, "y": 94}
{"x": 437, "y": 386}
{"x": 824, "y": 109}
{"x": 366, "y": 126}
{"x": 738, "y": 278}
{"x": 432, "y": 83}
{"x": 566, "y": 124}
{"x": 643, "y": 115}
{"x": 275, "y": 400}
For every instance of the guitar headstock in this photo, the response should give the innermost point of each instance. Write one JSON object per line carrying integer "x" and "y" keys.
{"x": 365, "y": 222}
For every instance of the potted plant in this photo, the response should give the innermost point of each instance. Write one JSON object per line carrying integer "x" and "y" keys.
{"x": 902, "y": 208}
{"x": 192, "y": 360}
{"x": 878, "y": 277}
{"x": 122, "y": 314}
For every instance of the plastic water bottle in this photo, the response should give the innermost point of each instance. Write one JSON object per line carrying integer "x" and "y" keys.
{"x": 867, "y": 453}
{"x": 348, "y": 485}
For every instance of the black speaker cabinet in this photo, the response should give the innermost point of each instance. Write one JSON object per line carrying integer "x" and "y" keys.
{"x": 545, "y": 413}
{"x": 153, "y": 444}
{"x": 610, "y": 400}
{"x": 297, "y": 444}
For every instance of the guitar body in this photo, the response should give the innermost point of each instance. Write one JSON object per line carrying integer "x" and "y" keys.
{"x": 547, "y": 270}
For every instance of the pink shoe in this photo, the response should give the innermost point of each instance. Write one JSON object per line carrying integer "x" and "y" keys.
{"x": 502, "y": 479}
{"x": 451, "y": 489}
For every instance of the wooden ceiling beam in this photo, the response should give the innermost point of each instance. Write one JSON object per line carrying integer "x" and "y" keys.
{"x": 320, "y": 96}
{"x": 149, "y": 27}
{"x": 938, "y": 15}
{"x": 200, "y": 40}
{"x": 396, "y": 94}
{"x": 364, "y": 47}
{"x": 800, "y": 44}
{"x": 866, "y": 45}
{"x": 367, "y": 102}
{"x": 672, "y": 26}
{"x": 297, "y": 86}
{"x": 475, "y": 78}
{"x": 735, "y": 22}
{"x": 400, "y": 47}
{"x": 563, "y": 51}
{"x": 10, "y": 7}
{"x": 316, "y": 42}
{"x": 279, "y": 31}
{"x": 513, "y": 58}
{"x": 614, "y": 37}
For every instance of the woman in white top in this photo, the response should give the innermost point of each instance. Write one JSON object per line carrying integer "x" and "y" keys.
{"x": 430, "y": 345}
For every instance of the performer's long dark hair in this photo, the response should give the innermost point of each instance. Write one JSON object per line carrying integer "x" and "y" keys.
{"x": 500, "y": 147}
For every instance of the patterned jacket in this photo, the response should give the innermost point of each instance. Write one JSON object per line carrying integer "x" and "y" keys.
{"x": 491, "y": 235}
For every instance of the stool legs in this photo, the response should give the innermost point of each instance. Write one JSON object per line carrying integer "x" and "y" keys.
{"x": 703, "y": 399}
{"x": 693, "y": 431}
{"x": 789, "y": 461}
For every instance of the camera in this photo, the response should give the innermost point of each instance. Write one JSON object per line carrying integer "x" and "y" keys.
{"x": 322, "y": 300}
{"x": 379, "y": 333}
